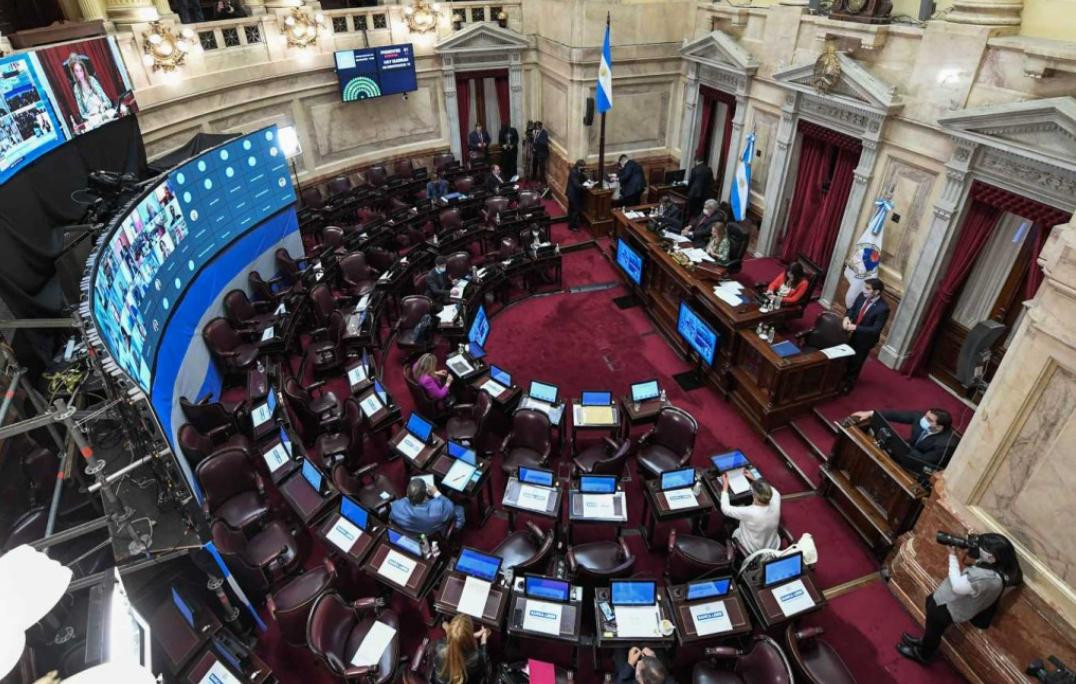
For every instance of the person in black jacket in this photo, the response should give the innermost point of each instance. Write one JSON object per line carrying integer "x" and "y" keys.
{"x": 702, "y": 226}
{"x": 699, "y": 184}
{"x": 632, "y": 183}
{"x": 574, "y": 193}
{"x": 933, "y": 439}
{"x": 667, "y": 215}
{"x": 460, "y": 658}
{"x": 640, "y": 666}
{"x": 508, "y": 139}
{"x": 539, "y": 152}
{"x": 494, "y": 180}
{"x": 864, "y": 321}
{"x": 438, "y": 284}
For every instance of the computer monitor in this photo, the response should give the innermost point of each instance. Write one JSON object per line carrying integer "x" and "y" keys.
{"x": 543, "y": 392}
{"x": 477, "y": 564}
{"x": 479, "y": 331}
{"x": 475, "y": 350}
{"x": 183, "y": 607}
{"x": 633, "y": 592}
{"x": 677, "y": 479}
{"x": 536, "y": 476}
{"x": 547, "y": 588}
{"x": 402, "y": 541}
{"x": 715, "y": 588}
{"x": 500, "y": 375}
{"x": 462, "y": 453}
{"x": 630, "y": 261}
{"x": 782, "y": 569}
{"x": 697, "y": 333}
{"x": 353, "y": 513}
{"x": 230, "y": 658}
{"x": 419, "y": 427}
{"x": 645, "y": 390}
{"x": 592, "y": 398}
{"x": 597, "y": 484}
{"x": 729, "y": 461}
{"x": 676, "y": 176}
{"x": 889, "y": 439}
{"x": 382, "y": 394}
{"x": 285, "y": 441}
{"x": 312, "y": 475}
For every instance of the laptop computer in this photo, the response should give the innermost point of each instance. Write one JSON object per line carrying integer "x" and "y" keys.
{"x": 500, "y": 376}
{"x": 405, "y": 543}
{"x": 475, "y": 350}
{"x": 462, "y": 453}
{"x": 782, "y": 569}
{"x": 709, "y": 589}
{"x": 536, "y": 476}
{"x": 542, "y": 391}
{"x": 594, "y": 408}
{"x": 731, "y": 460}
{"x": 419, "y": 427}
{"x": 354, "y": 513}
{"x": 597, "y": 484}
{"x": 645, "y": 391}
{"x": 476, "y": 564}
{"x": 313, "y": 476}
{"x": 382, "y": 393}
{"x": 677, "y": 479}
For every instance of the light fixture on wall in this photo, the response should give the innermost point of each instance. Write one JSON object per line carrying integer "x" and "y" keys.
{"x": 301, "y": 28}
{"x": 422, "y": 16}
{"x": 164, "y": 50}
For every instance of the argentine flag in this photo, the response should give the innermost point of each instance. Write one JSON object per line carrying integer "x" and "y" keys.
{"x": 867, "y": 253}
{"x": 738, "y": 198}
{"x": 604, "y": 90}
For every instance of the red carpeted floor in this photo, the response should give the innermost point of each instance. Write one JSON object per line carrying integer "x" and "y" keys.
{"x": 582, "y": 340}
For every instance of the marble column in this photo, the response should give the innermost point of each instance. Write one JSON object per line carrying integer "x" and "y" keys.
{"x": 986, "y": 12}
{"x": 777, "y": 180}
{"x": 515, "y": 90}
{"x": 689, "y": 125}
{"x": 452, "y": 111}
{"x": 850, "y": 227}
{"x": 735, "y": 148}
{"x": 795, "y": 3}
{"x": 279, "y": 4}
{"x": 92, "y": 9}
{"x": 255, "y": 7}
{"x": 126, "y": 12}
{"x": 164, "y": 9}
{"x": 928, "y": 267}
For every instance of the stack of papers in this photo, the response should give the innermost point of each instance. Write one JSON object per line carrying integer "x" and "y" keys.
{"x": 729, "y": 291}
{"x": 593, "y": 415}
{"x": 839, "y": 351}
{"x": 738, "y": 483}
{"x": 599, "y": 506}
{"x": 409, "y": 446}
{"x": 697, "y": 255}
{"x": 459, "y": 365}
{"x": 448, "y": 313}
{"x": 675, "y": 237}
{"x": 458, "y": 289}
{"x": 637, "y": 621}
{"x": 473, "y": 598}
{"x": 681, "y": 498}
{"x": 343, "y": 534}
{"x": 793, "y": 598}
{"x": 533, "y": 498}
{"x": 373, "y": 645}
{"x": 634, "y": 215}
{"x": 711, "y": 618}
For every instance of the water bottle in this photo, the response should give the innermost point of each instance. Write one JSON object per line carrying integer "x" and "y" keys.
{"x": 759, "y": 330}
{"x": 697, "y": 488}
{"x": 662, "y": 396}
{"x": 424, "y": 545}
{"x": 462, "y": 348}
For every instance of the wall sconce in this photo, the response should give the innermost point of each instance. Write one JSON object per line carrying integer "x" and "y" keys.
{"x": 457, "y": 21}
{"x": 502, "y": 19}
{"x": 422, "y": 16}
{"x": 164, "y": 50}
{"x": 301, "y": 28}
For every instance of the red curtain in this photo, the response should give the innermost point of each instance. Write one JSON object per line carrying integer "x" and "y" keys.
{"x": 463, "y": 99}
{"x": 708, "y": 104}
{"x": 978, "y": 225}
{"x": 503, "y": 106}
{"x": 102, "y": 67}
{"x": 807, "y": 195}
{"x": 823, "y": 234}
{"x": 726, "y": 142}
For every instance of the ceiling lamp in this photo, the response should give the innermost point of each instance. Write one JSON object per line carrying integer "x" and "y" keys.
{"x": 301, "y": 28}
{"x": 422, "y": 16}
{"x": 164, "y": 49}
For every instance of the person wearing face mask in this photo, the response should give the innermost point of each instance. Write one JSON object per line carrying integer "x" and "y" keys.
{"x": 438, "y": 284}
{"x": 864, "y": 322}
{"x": 967, "y": 594}
{"x": 933, "y": 439}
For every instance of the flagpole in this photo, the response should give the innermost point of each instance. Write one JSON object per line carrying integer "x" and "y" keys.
{"x": 601, "y": 135}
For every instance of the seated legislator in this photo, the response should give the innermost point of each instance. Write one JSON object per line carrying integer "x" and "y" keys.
{"x": 424, "y": 510}
{"x": 460, "y": 657}
{"x": 933, "y": 439}
{"x": 437, "y": 187}
{"x": 790, "y": 286}
{"x": 437, "y": 384}
{"x": 759, "y": 520}
{"x": 639, "y": 666}
{"x": 709, "y": 222}
{"x": 666, "y": 216}
{"x": 438, "y": 282}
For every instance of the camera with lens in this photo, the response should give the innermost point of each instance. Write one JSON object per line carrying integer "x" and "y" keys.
{"x": 1060, "y": 675}
{"x": 970, "y": 542}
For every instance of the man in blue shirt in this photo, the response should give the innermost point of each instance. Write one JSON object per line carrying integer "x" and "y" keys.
{"x": 424, "y": 510}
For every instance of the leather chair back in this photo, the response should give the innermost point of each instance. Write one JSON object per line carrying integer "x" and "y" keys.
{"x": 739, "y": 235}
{"x": 299, "y": 401}
{"x": 814, "y": 659}
{"x": 377, "y": 176}
{"x": 528, "y": 198}
{"x": 710, "y": 557}
{"x": 311, "y": 197}
{"x": 339, "y": 186}
{"x": 354, "y": 270}
{"x": 232, "y": 546}
{"x": 827, "y": 331}
{"x": 442, "y": 160}
{"x": 464, "y": 184}
{"x": 286, "y": 266}
{"x": 450, "y": 219}
{"x": 540, "y": 560}
{"x": 412, "y": 309}
{"x": 402, "y": 168}
{"x": 195, "y": 446}
{"x": 613, "y": 464}
{"x": 424, "y": 403}
{"x": 355, "y": 427}
{"x": 459, "y": 264}
{"x": 675, "y": 430}
{"x": 237, "y": 308}
{"x": 332, "y": 237}
{"x": 509, "y": 248}
{"x": 380, "y": 258}
{"x": 599, "y": 562}
{"x": 765, "y": 662}
{"x": 531, "y": 430}
{"x": 494, "y": 206}
{"x": 225, "y": 474}
{"x": 321, "y": 296}
{"x": 814, "y": 274}
{"x": 293, "y": 602}
{"x": 260, "y": 289}
{"x": 205, "y": 416}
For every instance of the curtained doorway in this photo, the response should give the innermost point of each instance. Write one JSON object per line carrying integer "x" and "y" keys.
{"x": 715, "y": 133}
{"x": 483, "y": 98}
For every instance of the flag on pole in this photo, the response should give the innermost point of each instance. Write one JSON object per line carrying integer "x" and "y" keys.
{"x": 738, "y": 198}
{"x": 604, "y": 90}
{"x": 867, "y": 254}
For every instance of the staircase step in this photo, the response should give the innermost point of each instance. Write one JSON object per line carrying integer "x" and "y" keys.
{"x": 815, "y": 436}
{"x": 824, "y": 419}
{"x": 796, "y": 455}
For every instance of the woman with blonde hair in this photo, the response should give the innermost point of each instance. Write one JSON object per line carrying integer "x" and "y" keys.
{"x": 436, "y": 383}
{"x": 460, "y": 658}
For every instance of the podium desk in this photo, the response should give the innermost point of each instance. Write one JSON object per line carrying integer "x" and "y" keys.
{"x": 504, "y": 399}
{"x": 765, "y": 606}
{"x": 581, "y": 422}
{"x": 656, "y": 509}
{"x": 358, "y": 381}
{"x": 420, "y": 581}
{"x": 511, "y": 502}
{"x": 360, "y": 548}
{"x": 712, "y": 479}
{"x": 577, "y": 512}
{"x": 461, "y": 360}
{"x": 447, "y": 600}
{"x": 686, "y": 630}
{"x": 179, "y": 641}
{"x": 640, "y": 413}
{"x": 307, "y": 503}
{"x": 597, "y": 210}
{"x": 479, "y": 491}
{"x": 281, "y": 472}
{"x": 770, "y": 390}
{"x": 257, "y": 671}
{"x": 606, "y": 634}
{"x": 423, "y": 458}
{"x": 873, "y": 492}
{"x": 571, "y": 618}
{"x": 385, "y": 417}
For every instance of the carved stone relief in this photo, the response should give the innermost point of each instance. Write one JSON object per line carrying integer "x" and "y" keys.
{"x": 764, "y": 124}
{"x": 1048, "y": 183}
{"x": 911, "y": 200}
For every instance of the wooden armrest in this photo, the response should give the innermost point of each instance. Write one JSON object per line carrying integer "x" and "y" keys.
{"x": 534, "y": 529}
{"x": 723, "y": 652}
{"x": 808, "y": 633}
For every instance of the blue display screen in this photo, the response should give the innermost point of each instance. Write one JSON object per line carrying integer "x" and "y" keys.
{"x": 536, "y": 476}
{"x": 630, "y": 261}
{"x": 597, "y": 484}
{"x": 462, "y": 453}
{"x": 781, "y": 569}
{"x": 381, "y": 393}
{"x": 475, "y": 350}
{"x": 645, "y": 391}
{"x": 708, "y": 588}
{"x": 501, "y": 376}
{"x": 543, "y": 392}
{"x": 677, "y": 479}
{"x": 597, "y": 398}
{"x": 353, "y": 512}
{"x": 404, "y": 542}
{"x": 312, "y": 475}
{"x": 630, "y": 593}
{"x": 184, "y": 608}
{"x": 374, "y": 72}
{"x": 29, "y": 126}
{"x": 419, "y": 427}
{"x": 702, "y": 338}
{"x": 161, "y": 242}
{"x": 546, "y": 588}
{"x": 730, "y": 461}
{"x": 479, "y": 331}
{"x": 478, "y": 564}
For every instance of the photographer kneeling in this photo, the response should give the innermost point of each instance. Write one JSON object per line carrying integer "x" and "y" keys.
{"x": 966, "y": 595}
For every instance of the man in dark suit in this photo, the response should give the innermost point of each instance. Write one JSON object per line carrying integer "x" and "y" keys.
{"x": 478, "y": 141}
{"x": 702, "y": 226}
{"x": 933, "y": 439}
{"x": 632, "y": 183}
{"x": 864, "y": 321}
{"x": 640, "y": 666}
{"x": 494, "y": 180}
{"x": 574, "y": 193}
{"x": 539, "y": 152}
{"x": 508, "y": 139}
{"x": 438, "y": 284}
{"x": 666, "y": 216}
{"x": 699, "y": 184}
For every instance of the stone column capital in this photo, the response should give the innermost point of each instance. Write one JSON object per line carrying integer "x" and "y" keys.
{"x": 996, "y": 13}
{"x": 127, "y": 12}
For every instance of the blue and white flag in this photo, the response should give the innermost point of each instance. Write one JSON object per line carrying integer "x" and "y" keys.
{"x": 867, "y": 254}
{"x": 739, "y": 197}
{"x": 604, "y": 89}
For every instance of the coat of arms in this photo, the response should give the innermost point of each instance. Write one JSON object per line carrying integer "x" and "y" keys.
{"x": 827, "y": 69}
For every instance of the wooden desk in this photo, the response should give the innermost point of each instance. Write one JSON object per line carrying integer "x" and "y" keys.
{"x": 304, "y": 500}
{"x": 385, "y": 418}
{"x": 421, "y": 579}
{"x": 605, "y": 638}
{"x": 714, "y": 482}
{"x": 640, "y": 413}
{"x": 178, "y": 640}
{"x": 479, "y": 491}
{"x": 503, "y": 399}
{"x": 877, "y": 496}
{"x": 686, "y": 632}
{"x": 597, "y": 208}
{"x": 655, "y": 191}
{"x": 447, "y": 600}
{"x": 656, "y": 509}
{"x": 770, "y": 390}
{"x": 358, "y": 387}
{"x": 576, "y": 514}
{"x": 282, "y": 471}
{"x": 765, "y": 607}
{"x": 362, "y": 545}
{"x": 257, "y": 671}
{"x": 429, "y": 450}
{"x": 510, "y": 502}
{"x": 611, "y": 427}
{"x": 571, "y": 620}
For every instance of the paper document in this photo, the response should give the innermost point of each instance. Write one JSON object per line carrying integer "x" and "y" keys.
{"x": 634, "y": 215}
{"x": 793, "y": 598}
{"x": 370, "y": 405}
{"x": 261, "y": 414}
{"x": 494, "y": 388}
{"x": 459, "y": 475}
{"x": 458, "y": 289}
{"x": 542, "y": 616}
{"x": 356, "y": 375}
{"x": 637, "y": 621}
{"x": 681, "y": 498}
{"x": 738, "y": 483}
{"x": 675, "y": 237}
{"x": 275, "y": 457}
{"x": 595, "y": 415}
{"x": 711, "y": 618}
{"x": 697, "y": 255}
{"x": 397, "y": 568}
{"x": 459, "y": 365}
{"x": 449, "y": 313}
{"x": 839, "y": 351}
{"x": 373, "y": 645}
{"x": 727, "y": 296}
{"x": 344, "y": 534}
{"x": 427, "y": 478}
{"x": 533, "y": 498}
{"x": 280, "y": 309}
{"x": 473, "y": 598}
{"x": 218, "y": 674}
{"x": 599, "y": 506}
{"x": 410, "y": 447}
{"x": 362, "y": 304}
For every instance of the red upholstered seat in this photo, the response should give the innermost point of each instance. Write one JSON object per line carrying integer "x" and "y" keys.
{"x": 529, "y": 443}
{"x": 815, "y": 660}
{"x": 669, "y": 443}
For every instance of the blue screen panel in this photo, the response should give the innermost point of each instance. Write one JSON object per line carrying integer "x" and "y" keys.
{"x": 183, "y": 607}
{"x": 630, "y": 261}
{"x": 729, "y": 461}
{"x": 677, "y": 479}
{"x": 419, "y": 427}
{"x": 311, "y": 474}
{"x": 462, "y": 453}
{"x": 500, "y": 375}
{"x": 404, "y": 542}
{"x": 374, "y": 72}
{"x": 781, "y": 569}
{"x": 536, "y": 476}
{"x": 479, "y": 331}
{"x": 353, "y": 512}
{"x": 597, "y": 398}
{"x": 708, "y": 588}
{"x": 645, "y": 391}
{"x": 546, "y": 588}
{"x": 597, "y": 484}
{"x": 29, "y": 126}
{"x": 478, "y": 564}
{"x": 543, "y": 392}
{"x": 697, "y": 333}
{"x": 630, "y": 593}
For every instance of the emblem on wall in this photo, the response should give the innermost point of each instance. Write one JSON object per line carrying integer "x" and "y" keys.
{"x": 827, "y": 69}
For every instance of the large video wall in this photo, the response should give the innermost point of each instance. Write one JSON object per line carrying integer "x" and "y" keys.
{"x": 163, "y": 240}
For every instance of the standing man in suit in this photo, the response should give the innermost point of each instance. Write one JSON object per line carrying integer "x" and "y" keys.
{"x": 539, "y": 153}
{"x": 508, "y": 139}
{"x": 494, "y": 180}
{"x": 478, "y": 141}
{"x": 574, "y": 193}
{"x": 702, "y": 226}
{"x": 933, "y": 439}
{"x": 864, "y": 321}
{"x": 632, "y": 183}
{"x": 699, "y": 184}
